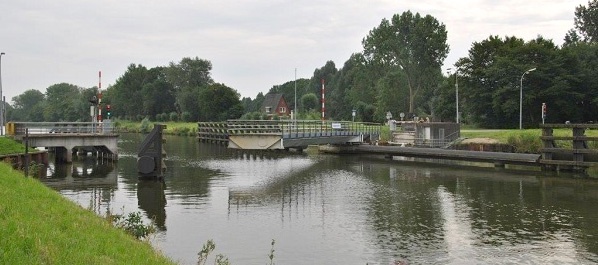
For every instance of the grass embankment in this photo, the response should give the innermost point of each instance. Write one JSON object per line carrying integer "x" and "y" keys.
{"x": 9, "y": 146}
{"x": 39, "y": 226}
{"x": 526, "y": 141}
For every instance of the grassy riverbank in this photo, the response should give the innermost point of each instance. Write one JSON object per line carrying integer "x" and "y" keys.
{"x": 9, "y": 146}
{"x": 526, "y": 141}
{"x": 39, "y": 226}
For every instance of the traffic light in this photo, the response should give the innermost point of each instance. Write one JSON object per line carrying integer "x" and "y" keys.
{"x": 108, "y": 113}
{"x": 93, "y": 100}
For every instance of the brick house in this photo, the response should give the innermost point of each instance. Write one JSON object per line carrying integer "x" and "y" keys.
{"x": 275, "y": 104}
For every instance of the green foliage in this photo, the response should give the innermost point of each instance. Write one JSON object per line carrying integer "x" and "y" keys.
{"x": 10, "y": 146}
{"x": 585, "y": 23}
{"x": 311, "y": 115}
{"x": 210, "y": 246}
{"x": 219, "y": 103}
{"x": 181, "y": 131}
{"x": 186, "y": 116}
{"x": 256, "y": 115}
{"x": 34, "y": 169}
{"x": 206, "y": 250}
{"x": 526, "y": 142}
{"x": 413, "y": 44}
{"x": 162, "y": 117}
{"x": 146, "y": 126}
{"x": 309, "y": 102}
{"x": 133, "y": 225}
{"x": 28, "y": 106}
{"x": 173, "y": 116}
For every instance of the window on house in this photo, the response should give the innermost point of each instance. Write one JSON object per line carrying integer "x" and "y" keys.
{"x": 283, "y": 110}
{"x": 268, "y": 109}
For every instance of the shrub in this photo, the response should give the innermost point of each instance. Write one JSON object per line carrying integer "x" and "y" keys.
{"x": 526, "y": 142}
{"x": 133, "y": 225}
{"x": 173, "y": 116}
{"x": 145, "y": 125}
{"x": 186, "y": 116}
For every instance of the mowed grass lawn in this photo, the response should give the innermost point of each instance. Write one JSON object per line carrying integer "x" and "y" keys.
{"x": 503, "y": 135}
{"x": 39, "y": 226}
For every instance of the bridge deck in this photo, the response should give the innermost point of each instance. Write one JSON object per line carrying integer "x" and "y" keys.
{"x": 284, "y": 134}
{"x": 67, "y": 136}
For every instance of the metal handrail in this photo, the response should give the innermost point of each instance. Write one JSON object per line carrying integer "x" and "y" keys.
{"x": 19, "y": 128}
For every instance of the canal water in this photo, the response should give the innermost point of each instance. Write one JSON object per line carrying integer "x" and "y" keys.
{"x": 330, "y": 209}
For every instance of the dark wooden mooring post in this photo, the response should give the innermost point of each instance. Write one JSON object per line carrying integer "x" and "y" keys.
{"x": 150, "y": 162}
{"x": 577, "y": 158}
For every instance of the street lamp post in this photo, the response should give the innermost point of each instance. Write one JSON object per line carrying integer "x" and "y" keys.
{"x": 296, "y": 112}
{"x": 521, "y": 97}
{"x": 456, "y": 93}
{"x": 1, "y": 99}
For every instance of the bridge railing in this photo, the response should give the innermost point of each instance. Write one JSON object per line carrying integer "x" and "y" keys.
{"x": 19, "y": 128}
{"x": 253, "y": 127}
{"x": 300, "y": 128}
{"x": 310, "y": 128}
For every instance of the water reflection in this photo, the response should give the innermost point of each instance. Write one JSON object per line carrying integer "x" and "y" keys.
{"x": 151, "y": 199}
{"x": 326, "y": 209}
{"x": 84, "y": 172}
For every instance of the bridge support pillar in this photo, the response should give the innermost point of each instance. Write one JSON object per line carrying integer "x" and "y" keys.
{"x": 64, "y": 154}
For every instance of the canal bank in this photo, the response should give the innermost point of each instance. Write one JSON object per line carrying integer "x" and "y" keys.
{"x": 39, "y": 226}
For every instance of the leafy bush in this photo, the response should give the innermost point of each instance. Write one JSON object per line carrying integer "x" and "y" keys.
{"x": 182, "y": 131}
{"x": 133, "y": 225}
{"x": 526, "y": 142}
{"x": 145, "y": 125}
{"x": 173, "y": 116}
{"x": 186, "y": 116}
{"x": 256, "y": 115}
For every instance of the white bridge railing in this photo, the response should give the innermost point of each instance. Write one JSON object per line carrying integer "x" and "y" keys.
{"x": 19, "y": 128}
{"x": 300, "y": 128}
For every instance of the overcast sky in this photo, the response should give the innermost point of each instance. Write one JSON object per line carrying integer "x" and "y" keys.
{"x": 252, "y": 44}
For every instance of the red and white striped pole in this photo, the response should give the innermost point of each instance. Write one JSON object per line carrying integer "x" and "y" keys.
{"x": 100, "y": 96}
{"x": 323, "y": 101}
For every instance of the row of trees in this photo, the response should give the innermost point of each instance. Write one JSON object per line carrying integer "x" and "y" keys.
{"x": 399, "y": 70}
{"x": 185, "y": 88}
{"x": 180, "y": 91}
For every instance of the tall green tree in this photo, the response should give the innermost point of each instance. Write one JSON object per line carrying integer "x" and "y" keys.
{"x": 360, "y": 78}
{"x": 392, "y": 89}
{"x": 492, "y": 82}
{"x": 127, "y": 93}
{"x": 412, "y": 43}
{"x": 61, "y": 103}
{"x": 188, "y": 77}
{"x": 29, "y": 106}
{"x": 219, "y": 103}
{"x": 580, "y": 73}
{"x": 158, "y": 95}
{"x": 309, "y": 102}
{"x": 586, "y": 24}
